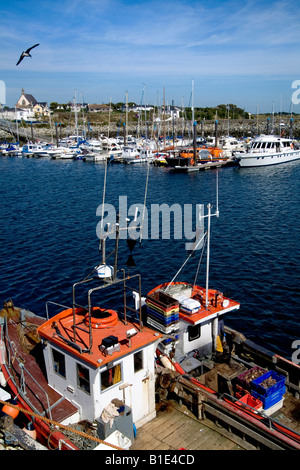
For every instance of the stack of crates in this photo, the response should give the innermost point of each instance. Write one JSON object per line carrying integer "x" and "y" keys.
{"x": 271, "y": 396}
{"x": 163, "y": 313}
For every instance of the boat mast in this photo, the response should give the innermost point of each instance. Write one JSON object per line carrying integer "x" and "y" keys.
{"x": 126, "y": 112}
{"x": 207, "y": 256}
{"x": 109, "y": 111}
{"x": 75, "y": 109}
{"x": 194, "y": 123}
{"x": 227, "y": 119}
{"x": 164, "y": 119}
{"x": 193, "y": 113}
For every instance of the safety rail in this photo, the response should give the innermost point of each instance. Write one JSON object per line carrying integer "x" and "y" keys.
{"x": 53, "y": 303}
{"x": 270, "y": 422}
{"x": 105, "y": 285}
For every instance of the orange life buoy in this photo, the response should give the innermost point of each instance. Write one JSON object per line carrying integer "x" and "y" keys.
{"x": 101, "y": 318}
{"x": 212, "y": 297}
{"x": 292, "y": 146}
{"x": 192, "y": 161}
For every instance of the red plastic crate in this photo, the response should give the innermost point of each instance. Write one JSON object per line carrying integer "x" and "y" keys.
{"x": 251, "y": 401}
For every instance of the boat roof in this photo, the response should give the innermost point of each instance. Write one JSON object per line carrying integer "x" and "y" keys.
{"x": 270, "y": 138}
{"x": 204, "y": 312}
{"x": 70, "y": 331}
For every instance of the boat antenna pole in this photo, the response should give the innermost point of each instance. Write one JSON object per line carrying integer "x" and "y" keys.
{"x": 102, "y": 239}
{"x": 207, "y": 256}
{"x": 208, "y": 242}
{"x": 117, "y": 247}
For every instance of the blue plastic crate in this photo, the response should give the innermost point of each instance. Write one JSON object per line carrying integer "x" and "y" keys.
{"x": 270, "y": 400}
{"x": 258, "y": 388}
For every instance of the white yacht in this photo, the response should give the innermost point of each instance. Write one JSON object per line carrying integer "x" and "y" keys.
{"x": 269, "y": 150}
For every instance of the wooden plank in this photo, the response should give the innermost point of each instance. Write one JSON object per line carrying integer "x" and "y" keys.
{"x": 184, "y": 431}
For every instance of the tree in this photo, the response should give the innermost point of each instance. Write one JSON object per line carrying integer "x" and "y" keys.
{"x": 53, "y": 106}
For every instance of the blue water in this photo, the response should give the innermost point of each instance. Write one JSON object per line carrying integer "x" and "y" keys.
{"x": 48, "y": 236}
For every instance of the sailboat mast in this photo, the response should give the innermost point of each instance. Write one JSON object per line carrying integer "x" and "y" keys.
{"x": 109, "y": 111}
{"x": 76, "y": 118}
{"x": 193, "y": 112}
{"x": 126, "y": 113}
{"x": 164, "y": 119}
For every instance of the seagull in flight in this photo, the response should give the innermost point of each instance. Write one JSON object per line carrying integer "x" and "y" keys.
{"x": 26, "y": 53}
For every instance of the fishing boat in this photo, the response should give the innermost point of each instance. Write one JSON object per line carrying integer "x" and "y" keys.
{"x": 207, "y": 158}
{"x": 185, "y": 157}
{"x": 216, "y": 369}
{"x": 269, "y": 150}
{"x": 83, "y": 375}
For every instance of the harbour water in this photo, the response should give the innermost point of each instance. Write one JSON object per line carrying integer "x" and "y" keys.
{"x": 48, "y": 236}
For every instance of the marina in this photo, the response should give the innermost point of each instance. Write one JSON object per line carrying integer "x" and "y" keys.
{"x": 149, "y": 242}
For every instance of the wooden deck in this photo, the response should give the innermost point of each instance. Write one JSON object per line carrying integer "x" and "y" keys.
{"x": 175, "y": 427}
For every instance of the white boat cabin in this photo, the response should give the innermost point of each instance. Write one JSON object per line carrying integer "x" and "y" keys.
{"x": 270, "y": 144}
{"x": 93, "y": 357}
{"x": 180, "y": 310}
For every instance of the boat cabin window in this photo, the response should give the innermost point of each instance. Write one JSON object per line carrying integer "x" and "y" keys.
{"x": 138, "y": 361}
{"x": 59, "y": 365}
{"x": 110, "y": 377}
{"x": 194, "y": 332}
{"x": 83, "y": 378}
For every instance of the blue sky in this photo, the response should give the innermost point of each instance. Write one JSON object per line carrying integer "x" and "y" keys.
{"x": 234, "y": 52}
